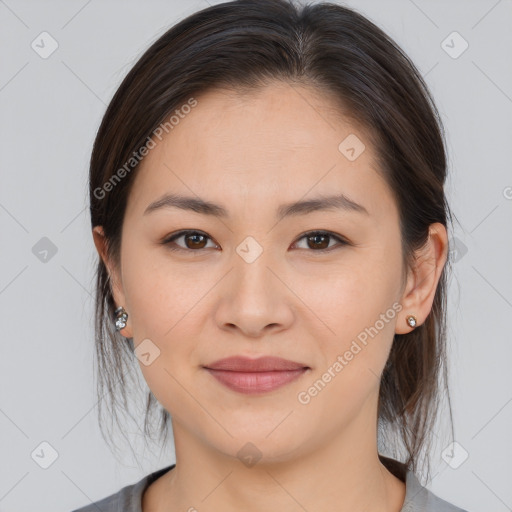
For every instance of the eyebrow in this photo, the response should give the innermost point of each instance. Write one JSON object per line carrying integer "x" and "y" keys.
{"x": 198, "y": 205}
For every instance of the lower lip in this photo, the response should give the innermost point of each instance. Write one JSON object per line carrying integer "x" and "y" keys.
{"x": 256, "y": 382}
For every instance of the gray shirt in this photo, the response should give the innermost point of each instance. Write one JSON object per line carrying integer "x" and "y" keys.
{"x": 417, "y": 497}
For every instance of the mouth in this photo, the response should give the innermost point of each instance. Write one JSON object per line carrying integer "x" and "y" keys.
{"x": 255, "y": 376}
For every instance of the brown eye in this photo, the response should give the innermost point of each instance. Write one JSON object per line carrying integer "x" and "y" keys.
{"x": 316, "y": 241}
{"x": 193, "y": 241}
{"x": 319, "y": 241}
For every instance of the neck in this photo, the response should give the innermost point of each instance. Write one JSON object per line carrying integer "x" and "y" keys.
{"x": 342, "y": 473}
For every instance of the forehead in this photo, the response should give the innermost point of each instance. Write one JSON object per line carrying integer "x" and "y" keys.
{"x": 276, "y": 143}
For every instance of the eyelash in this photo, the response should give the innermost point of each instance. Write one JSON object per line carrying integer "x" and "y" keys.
{"x": 169, "y": 241}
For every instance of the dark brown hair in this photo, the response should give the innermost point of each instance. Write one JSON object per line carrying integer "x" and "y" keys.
{"x": 246, "y": 44}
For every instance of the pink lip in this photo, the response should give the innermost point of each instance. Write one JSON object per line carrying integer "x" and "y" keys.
{"x": 252, "y": 376}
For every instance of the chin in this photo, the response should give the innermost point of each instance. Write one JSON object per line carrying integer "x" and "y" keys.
{"x": 254, "y": 446}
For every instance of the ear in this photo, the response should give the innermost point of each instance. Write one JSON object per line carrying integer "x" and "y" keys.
{"x": 423, "y": 278}
{"x": 114, "y": 275}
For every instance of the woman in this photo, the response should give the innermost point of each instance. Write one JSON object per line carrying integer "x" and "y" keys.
{"x": 266, "y": 194}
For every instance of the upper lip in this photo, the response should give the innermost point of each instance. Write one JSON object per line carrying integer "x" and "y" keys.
{"x": 262, "y": 364}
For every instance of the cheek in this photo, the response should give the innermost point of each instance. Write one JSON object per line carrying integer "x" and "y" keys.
{"x": 357, "y": 305}
{"x": 353, "y": 359}
{"x": 349, "y": 297}
{"x": 159, "y": 293}
{"x": 163, "y": 303}
{"x": 163, "y": 323}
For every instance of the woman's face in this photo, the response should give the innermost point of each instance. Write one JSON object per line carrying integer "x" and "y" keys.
{"x": 254, "y": 284}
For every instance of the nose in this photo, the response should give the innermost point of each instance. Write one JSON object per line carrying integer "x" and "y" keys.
{"x": 254, "y": 299}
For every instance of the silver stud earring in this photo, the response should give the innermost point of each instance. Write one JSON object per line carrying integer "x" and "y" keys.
{"x": 411, "y": 321}
{"x": 121, "y": 317}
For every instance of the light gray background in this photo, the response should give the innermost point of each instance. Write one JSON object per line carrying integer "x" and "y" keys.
{"x": 50, "y": 110}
